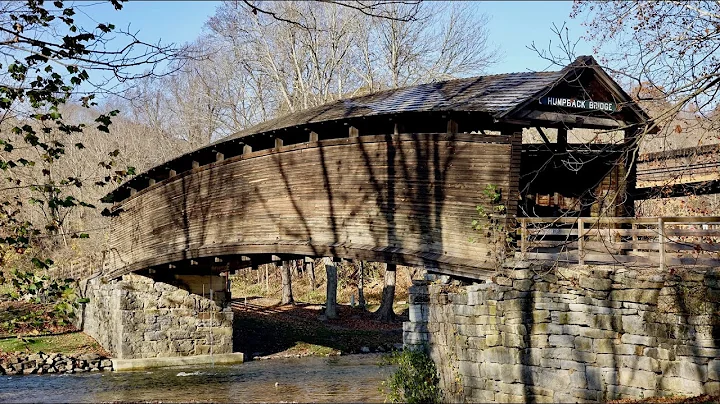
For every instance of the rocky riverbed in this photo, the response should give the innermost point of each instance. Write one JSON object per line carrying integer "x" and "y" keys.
{"x": 42, "y": 363}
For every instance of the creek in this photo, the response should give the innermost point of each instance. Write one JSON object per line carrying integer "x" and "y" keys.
{"x": 351, "y": 378}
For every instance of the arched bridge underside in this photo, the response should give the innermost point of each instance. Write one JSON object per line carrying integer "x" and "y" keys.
{"x": 407, "y": 199}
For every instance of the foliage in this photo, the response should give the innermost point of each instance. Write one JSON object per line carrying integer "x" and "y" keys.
{"x": 46, "y": 60}
{"x": 416, "y": 379}
{"x": 287, "y": 56}
{"x": 57, "y": 294}
{"x": 492, "y": 193}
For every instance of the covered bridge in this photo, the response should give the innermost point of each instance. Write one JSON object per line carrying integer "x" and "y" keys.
{"x": 394, "y": 176}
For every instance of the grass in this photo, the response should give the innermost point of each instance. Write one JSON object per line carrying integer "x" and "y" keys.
{"x": 75, "y": 343}
{"x": 305, "y": 349}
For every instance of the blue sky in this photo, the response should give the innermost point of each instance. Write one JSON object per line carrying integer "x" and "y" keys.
{"x": 514, "y": 25}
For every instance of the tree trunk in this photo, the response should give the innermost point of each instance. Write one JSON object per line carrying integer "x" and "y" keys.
{"x": 331, "y": 301}
{"x": 361, "y": 286}
{"x": 385, "y": 312}
{"x": 310, "y": 269}
{"x": 267, "y": 280}
{"x": 287, "y": 297}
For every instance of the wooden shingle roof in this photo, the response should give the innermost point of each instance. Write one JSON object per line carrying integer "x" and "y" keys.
{"x": 494, "y": 94}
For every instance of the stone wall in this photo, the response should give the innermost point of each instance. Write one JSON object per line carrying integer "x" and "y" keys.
{"x": 26, "y": 363}
{"x": 137, "y": 317}
{"x": 572, "y": 334}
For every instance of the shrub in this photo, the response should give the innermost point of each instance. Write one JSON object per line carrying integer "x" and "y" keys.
{"x": 415, "y": 380}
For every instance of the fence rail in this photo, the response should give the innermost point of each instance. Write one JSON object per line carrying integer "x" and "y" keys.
{"x": 658, "y": 240}
{"x": 78, "y": 268}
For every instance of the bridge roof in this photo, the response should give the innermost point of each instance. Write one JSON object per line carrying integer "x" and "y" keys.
{"x": 499, "y": 95}
{"x": 505, "y": 98}
{"x": 495, "y": 94}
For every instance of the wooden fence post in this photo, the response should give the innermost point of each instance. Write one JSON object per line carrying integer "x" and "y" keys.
{"x": 523, "y": 236}
{"x": 581, "y": 236}
{"x": 634, "y": 236}
{"x": 661, "y": 231}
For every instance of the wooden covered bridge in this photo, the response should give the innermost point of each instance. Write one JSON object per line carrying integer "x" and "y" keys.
{"x": 394, "y": 176}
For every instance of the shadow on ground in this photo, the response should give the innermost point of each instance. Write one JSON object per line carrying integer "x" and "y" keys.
{"x": 263, "y": 328}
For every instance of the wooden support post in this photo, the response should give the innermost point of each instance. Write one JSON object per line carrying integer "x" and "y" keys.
{"x": 523, "y": 238}
{"x": 353, "y": 132}
{"x": 267, "y": 279}
{"x": 634, "y": 236}
{"x": 133, "y": 191}
{"x": 581, "y": 241}
{"x": 314, "y": 136}
{"x": 361, "y": 285}
{"x": 247, "y": 149}
{"x": 385, "y": 311}
{"x": 219, "y": 156}
{"x": 452, "y": 127}
{"x": 310, "y": 269}
{"x": 278, "y": 143}
{"x": 511, "y": 195}
{"x": 331, "y": 300}
{"x": 562, "y": 139}
{"x": 151, "y": 182}
{"x": 172, "y": 173}
{"x": 286, "y": 276}
{"x": 661, "y": 232}
{"x": 631, "y": 154}
{"x": 195, "y": 164}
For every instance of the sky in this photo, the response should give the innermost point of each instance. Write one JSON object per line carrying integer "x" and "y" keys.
{"x": 513, "y": 26}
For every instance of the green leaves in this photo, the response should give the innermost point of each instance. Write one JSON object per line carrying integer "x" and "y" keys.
{"x": 416, "y": 379}
{"x": 105, "y": 121}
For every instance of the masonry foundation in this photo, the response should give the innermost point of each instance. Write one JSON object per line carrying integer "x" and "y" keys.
{"x": 572, "y": 334}
{"x": 137, "y": 317}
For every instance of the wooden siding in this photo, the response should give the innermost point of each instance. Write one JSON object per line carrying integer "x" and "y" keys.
{"x": 405, "y": 199}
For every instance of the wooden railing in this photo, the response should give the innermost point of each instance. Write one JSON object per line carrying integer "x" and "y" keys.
{"x": 79, "y": 268}
{"x": 658, "y": 241}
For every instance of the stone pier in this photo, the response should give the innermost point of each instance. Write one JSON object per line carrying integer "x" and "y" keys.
{"x": 572, "y": 334}
{"x": 138, "y": 317}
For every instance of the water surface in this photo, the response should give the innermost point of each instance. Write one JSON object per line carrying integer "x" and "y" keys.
{"x": 352, "y": 378}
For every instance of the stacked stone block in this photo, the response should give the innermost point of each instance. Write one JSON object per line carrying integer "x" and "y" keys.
{"x": 137, "y": 317}
{"x": 572, "y": 334}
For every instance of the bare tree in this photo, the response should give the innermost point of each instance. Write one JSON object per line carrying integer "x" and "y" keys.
{"x": 385, "y": 311}
{"x": 667, "y": 51}
{"x": 255, "y": 66}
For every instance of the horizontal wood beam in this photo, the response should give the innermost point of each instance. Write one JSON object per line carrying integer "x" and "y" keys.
{"x": 572, "y": 120}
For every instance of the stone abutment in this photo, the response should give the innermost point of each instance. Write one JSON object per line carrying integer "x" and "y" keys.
{"x": 138, "y": 317}
{"x": 572, "y": 334}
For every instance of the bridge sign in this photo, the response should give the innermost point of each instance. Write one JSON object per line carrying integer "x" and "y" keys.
{"x": 581, "y": 104}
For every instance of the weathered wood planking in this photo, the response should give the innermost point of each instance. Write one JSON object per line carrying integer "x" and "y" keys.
{"x": 406, "y": 199}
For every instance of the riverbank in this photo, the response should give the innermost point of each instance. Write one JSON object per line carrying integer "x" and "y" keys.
{"x": 41, "y": 363}
{"x": 73, "y": 352}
